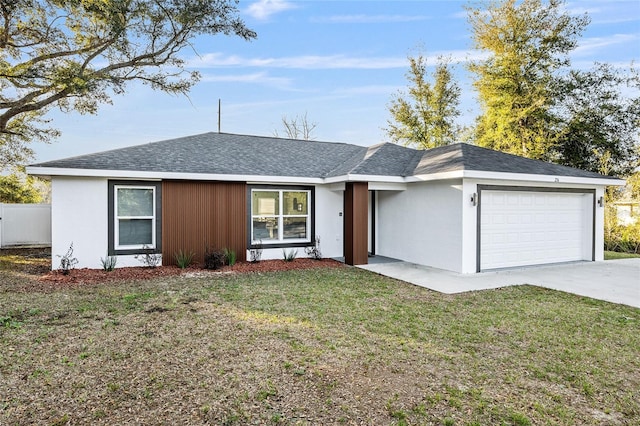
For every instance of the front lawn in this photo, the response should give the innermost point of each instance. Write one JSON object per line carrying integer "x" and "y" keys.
{"x": 323, "y": 346}
{"x": 610, "y": 255}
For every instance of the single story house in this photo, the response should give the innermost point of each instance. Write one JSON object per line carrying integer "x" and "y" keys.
{"x": 459, "y": 207}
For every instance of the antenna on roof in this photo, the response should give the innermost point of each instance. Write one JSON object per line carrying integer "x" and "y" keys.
{"x": 219, "y": 108}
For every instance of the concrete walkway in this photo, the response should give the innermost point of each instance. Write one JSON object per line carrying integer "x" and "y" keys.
{"x": 616, "y": 281}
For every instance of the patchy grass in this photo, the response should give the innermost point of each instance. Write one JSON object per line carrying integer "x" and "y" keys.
{"x": 322, "y": 346}
{"x": 610, "y": 255}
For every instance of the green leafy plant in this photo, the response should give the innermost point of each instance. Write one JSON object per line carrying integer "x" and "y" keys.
{"x": 149, "y": 257}
{"x": 109, "y": 263}
{"x": 68, "y": 262}
{"x": 289, "y": 256}
{"x": 230, "y": 256}
{"x": 184, "y": 258}
{"x": 214, "y": 259}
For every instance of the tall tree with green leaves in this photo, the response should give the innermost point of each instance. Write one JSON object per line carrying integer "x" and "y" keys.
{"x": 75, "y": 55}
{"x": 19, "y": 188}
{"x": 598, "y": 119}
{"x": 527, "y": 43}
{"x": 425, "y": 117}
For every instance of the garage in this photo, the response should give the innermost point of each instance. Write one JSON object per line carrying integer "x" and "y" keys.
{"x": 522, "y": 226}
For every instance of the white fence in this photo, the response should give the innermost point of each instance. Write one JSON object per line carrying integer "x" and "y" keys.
{"x": 25, "y": 225}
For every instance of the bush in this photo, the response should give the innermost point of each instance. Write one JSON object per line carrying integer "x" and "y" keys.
{"x": 620, "y": 238}
{"x": 314, "y": 251}
{"x": 183, "y": 258}
{"x": 624, "y": 239}
{"x": 230, "y": 256}
{"x": 214, "y": 259}
{"x": 289, "y": 256}
{"x": 149, "y": 257}
{"x": 68, "y": 262}
{"x": 109, "y": 263}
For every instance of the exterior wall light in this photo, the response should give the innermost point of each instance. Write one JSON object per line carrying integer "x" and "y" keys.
{"x": 601, "y": 201}
{"x": 474, "y": 199}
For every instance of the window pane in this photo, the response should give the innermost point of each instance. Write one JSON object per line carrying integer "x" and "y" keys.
{"x": 135, "y": 232}
{"x": 265, "y": 203}
{"x": 295, "y": 227}
{"x": 135, "y": 202}
{"x": 265, "y": 228}
{"x": 294, "y": 203}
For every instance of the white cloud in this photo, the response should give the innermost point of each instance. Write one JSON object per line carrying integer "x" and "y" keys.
{"x": 338, "y": 61}
{"x": 588, "y": 46}
{"x": 214, "y": 60}
{"x": 370, "y": 19}
{"x": 254, "y": 78}
{"x": 263, "y": 9}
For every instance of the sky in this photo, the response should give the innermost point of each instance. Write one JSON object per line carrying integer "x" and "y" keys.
{"x": 338, "y": 62}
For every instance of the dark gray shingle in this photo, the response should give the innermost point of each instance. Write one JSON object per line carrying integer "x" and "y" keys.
{"x": 224, "y": 153}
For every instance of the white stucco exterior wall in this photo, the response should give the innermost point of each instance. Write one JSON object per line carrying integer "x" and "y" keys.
{"x": 79, "y": 216}
{"x": 422, "y": 224}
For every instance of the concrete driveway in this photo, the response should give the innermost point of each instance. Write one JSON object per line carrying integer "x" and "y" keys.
{"x": 616, "y": 281}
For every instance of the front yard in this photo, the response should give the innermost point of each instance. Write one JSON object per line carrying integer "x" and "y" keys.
{"x": 322, "y": 346}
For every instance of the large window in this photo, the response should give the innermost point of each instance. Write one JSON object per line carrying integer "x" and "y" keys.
{"x": 280, "y": 216}
{"x": 134, "y": 218}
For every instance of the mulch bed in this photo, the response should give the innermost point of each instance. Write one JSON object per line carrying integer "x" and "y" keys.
{"x": 96, "y": 276}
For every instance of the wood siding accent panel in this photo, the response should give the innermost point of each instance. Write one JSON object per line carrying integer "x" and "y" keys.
{"x": 197, "y": 215}
{"x": 356, "y": 212}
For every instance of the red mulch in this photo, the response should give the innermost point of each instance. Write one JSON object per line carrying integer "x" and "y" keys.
{"x": 96, "y": 276}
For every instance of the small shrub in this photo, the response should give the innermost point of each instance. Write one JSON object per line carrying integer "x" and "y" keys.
{"x": 255, "y": 254}
{"x": 184, "y": 258}
{"x": 214, "y": 259}
{"x": 314, "y": 251}
{"x": 289, "y": 256}
{"x": 230, "y": 256}
{"x": 149, "y": 257}
{"x": 109, "y": 263}
{"x": 68, "y": 262}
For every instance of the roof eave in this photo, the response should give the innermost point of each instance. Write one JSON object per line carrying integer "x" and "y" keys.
{"x": 557, "y": 179}
{"x": 128, "y": 174}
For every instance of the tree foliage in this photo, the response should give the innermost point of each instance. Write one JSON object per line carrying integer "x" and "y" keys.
{"x": 598, "y": 114}
{"x": 425, "y": 117}
{"x": 17, "y": 187}
{"x": 298, "y": 127}
{"x": 528, "y": 42}
{"x": 74, "y": 54}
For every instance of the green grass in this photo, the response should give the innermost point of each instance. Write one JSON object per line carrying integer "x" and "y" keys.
{"x": 610, "y": 255}
{"x": 324, "y": 346}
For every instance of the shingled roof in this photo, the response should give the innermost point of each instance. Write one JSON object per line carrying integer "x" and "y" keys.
{"x": 463, "y": 156}
{"x": 232, "y": 154}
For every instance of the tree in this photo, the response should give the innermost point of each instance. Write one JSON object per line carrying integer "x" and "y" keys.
{"x": 298, "y": 127}
{"x": 75, "y": 54}
{"x": 426, "y": 117}
{"x": 528, "y": 42}
{"x": 19, "y": 188}
{"x": 598, "y": 112}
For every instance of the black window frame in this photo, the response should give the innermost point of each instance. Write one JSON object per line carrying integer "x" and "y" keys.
{"x": 279, "y": 244}
{"x": 112, "y": 184}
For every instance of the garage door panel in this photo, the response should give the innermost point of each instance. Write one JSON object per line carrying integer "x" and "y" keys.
{"x": 527, "y": 227}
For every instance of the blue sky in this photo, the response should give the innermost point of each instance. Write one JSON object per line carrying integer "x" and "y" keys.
{"x": 340, "y": 62}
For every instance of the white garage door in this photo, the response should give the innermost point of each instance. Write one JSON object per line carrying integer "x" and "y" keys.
{"x": 520, "y": 228}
